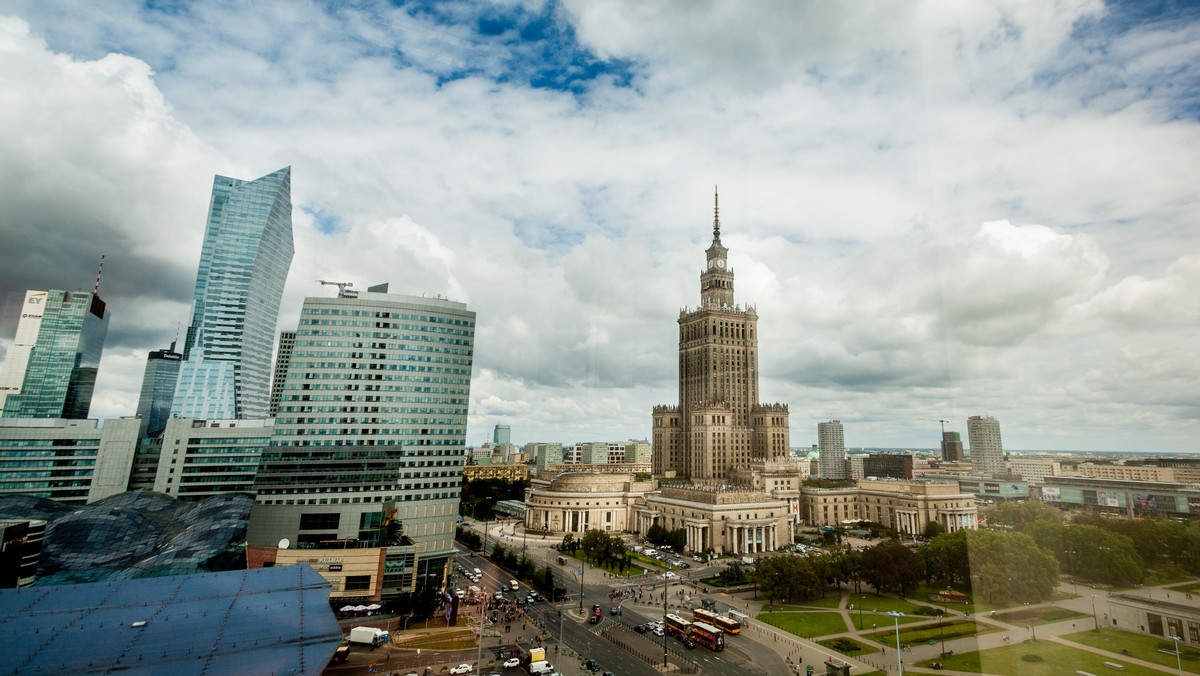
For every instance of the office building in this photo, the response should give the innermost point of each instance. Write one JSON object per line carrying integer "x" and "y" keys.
{"x": 50, "y": 369}
{"x": 593, "y": 453}
{"x": 638, "y": 451}
{"x": 952, "y": 447}
{"x": 831, "y": 445}
{"x": 243, "y": 265}
{"x": 70, "y": 461}
{"x": 158, "y": 390}
{"x": 502, "y": 434}
{"x": 1034, "y": 470}
{"x": 888, "y": 466}
{"x": 987, "y": 451}
{"x": 545, "y": 454}
{"x": 196, "y": 459}
{"x": 1129, "y": 498}
{"x": 283, "y": 355}
{"x": 719, "y": 423}
{"x": 366, "y": 460}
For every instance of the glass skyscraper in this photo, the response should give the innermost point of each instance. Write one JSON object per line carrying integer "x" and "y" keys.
{"x": 50, "y": 370}
{"x": 158, "y": 390}
{"x": 369, "y": 441}
{"x": 226, "y": 369}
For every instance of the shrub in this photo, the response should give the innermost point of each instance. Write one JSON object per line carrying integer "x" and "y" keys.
{"x": 1031, "y": 658}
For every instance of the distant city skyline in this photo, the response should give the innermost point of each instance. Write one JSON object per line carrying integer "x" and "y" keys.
{"x": 940, "y": 214}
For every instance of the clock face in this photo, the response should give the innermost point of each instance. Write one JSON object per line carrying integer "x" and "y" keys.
{"x": 710, "y": 264}
{"x": 720, "y": 263}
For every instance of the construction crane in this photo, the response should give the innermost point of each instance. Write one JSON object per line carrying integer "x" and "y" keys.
{"x": 943, "y": 421}
{"x": 342, "y": 286}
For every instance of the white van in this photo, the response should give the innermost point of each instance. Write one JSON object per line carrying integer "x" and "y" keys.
{"x": 368, "y": 636}
{"x": 540, "y": 667}
{"x": 478, "y": 572}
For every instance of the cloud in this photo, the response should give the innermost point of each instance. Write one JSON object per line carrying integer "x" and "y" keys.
{"x": 938, "y": 209}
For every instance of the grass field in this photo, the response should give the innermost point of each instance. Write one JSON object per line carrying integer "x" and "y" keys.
{"x": 934, "y": 632}
{"x": 882, "y": 604}
{"x": 632, "y": 571}
{"x": 874, "y": 620}
{"x": 1041, "y": 615}
{"x": 1156, "y": 578}
{"x": 1143, "y": 647}
{"x": 848, "y": 646}
{"x": 805, "y": 625}
{"x": 828, "y": 601}
{"x": 1190, "y": 587}
{"x": 1055, "y": 659}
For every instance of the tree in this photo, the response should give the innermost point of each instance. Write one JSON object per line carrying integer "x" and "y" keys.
{"x": 1010, "y": 567}
{"x": 934, "y": 529}
{"x": 892, "y": 567}
{"x": 1018, "y": 515}
{"x": 946, "y": 558}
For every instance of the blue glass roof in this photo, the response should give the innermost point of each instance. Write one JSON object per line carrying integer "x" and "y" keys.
{"x": 265, "y": 620}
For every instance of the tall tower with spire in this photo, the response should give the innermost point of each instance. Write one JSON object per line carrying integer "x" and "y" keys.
{"x": 719, "y": 424}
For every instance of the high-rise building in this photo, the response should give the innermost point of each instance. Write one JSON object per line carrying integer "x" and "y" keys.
{"x": 502, "y": 435}
{"x": 243, "y": 265}
{"x": 952, "y": 447}
{"x": 831, "y": 445}
{"x": 369, "y": 442}
{"x": 50, "y": 369}
{"x": 68, "y": 461}
{"x": 198, "y": 459}
{"x": 987, "y": 452}
{"x": 638, "y": 451}
{"x": 888, "y": 466}
{"x": 158, "y": 390}
{"x": 283, "y": 355}
{"x": 545, "y": 453}
{"x": 718, "y": 425}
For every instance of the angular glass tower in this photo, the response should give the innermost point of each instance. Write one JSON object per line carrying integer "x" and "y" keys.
{"x": 226, "y": 370}
{"x": 50, "y": 371}
{"x": 158, "y": 390}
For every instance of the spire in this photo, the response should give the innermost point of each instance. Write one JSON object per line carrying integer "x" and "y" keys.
{"x": 716, "y": 215}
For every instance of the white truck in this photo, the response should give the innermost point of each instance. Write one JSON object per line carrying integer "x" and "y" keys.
{"x": 540, "y": 667}
{"x": 368, "y": 636}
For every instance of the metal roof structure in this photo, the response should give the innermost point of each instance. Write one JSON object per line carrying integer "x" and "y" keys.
{"x": 259, "y": 621}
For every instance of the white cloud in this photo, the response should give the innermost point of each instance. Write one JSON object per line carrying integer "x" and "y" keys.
{"x": 929, "y": 223}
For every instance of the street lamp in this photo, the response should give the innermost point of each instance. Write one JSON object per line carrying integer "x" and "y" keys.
{"x": 1178, "y": 663}
{"x": 896, "y": 615}
{"x": 666, "y": 586}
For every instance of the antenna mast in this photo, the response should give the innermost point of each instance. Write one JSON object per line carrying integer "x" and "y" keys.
{"x": 96, "y": 288}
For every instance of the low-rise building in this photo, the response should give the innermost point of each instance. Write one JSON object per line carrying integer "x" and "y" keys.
{"x": 198, "y": 459}
{"x": 1155, "y": 617}
{"x": 69, "y": 461}
{"x": 1130, "y": 498}
{"x": 515, "y": 472}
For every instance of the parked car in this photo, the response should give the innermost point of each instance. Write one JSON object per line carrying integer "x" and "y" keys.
{"x": 511, "y": 662}
{"x": 461, "y": 669}
{"x": 593, "y": 666}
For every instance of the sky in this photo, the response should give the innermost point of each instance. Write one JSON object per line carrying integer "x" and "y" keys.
{"x": 938, "y": 209}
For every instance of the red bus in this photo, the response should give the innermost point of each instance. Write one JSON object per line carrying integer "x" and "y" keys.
{"x": 708, "y": 636}
{"x": 677, "y": 625}
{"x": 725, "y": 624}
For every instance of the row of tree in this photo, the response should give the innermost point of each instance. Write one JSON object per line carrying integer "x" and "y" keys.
{"x": 1103, "y": 549}
{"x": 675, "y": 539}
{"x": 523, "y": 568}
{"x": 600, "y": 549}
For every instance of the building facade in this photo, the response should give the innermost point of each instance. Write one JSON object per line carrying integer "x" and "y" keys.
{"x": 987, "y": 451}
{"x": 283, "y": 356}
{"x": 369, "y": 443}
{"x": 158, "y": 390}
{"x": 888, "y": 466}
{"x": 1144, "y": 499}
{"x": 50, "y": 369}
{"x": 244, "y": 263}
{"x": 952, "y": 447}
{"x": 514, "y": 472}
{"x": 638, "y": 451}
{"x": 69, "y": 461}
{"x": 1034, "y": 470}
{"x": 502, "y": 434}
{"x": 719, "y": 423}
{"x": 202, "y": 458}
{"x": 831, "y": 444}
{"x": 545, "y": 454}
{"x": 905, "y": 506}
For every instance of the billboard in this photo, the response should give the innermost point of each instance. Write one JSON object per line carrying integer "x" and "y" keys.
{"x": 1145, "y": 502}
{"x": 1051, "y": 494}
{"x": 1107, "y": 499}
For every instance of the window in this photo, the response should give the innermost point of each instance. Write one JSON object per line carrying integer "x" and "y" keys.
{"x": 358, "y": 582}
{"x": 318, "y": 521}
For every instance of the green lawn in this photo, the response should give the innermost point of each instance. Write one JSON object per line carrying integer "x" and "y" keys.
{"x": 715, "y": 581}
{"x": 848, "y": 646}
{"x": 881, "y": 604}
{"x": 1143, "y": 647}
{"x": 934, "y": 632}
{"x": 647, "y": 561}
{"x": 830, "y": 601}
{"x": 1040, "y": 615}
{"x": 1190, "y": 588}
{"x": 1056, "y": 659}
{"x": 1156, "y": 578}
{"x": 632, "y": 571}
{"x": 875, "y": 620}
{"x": 806, "y": 625}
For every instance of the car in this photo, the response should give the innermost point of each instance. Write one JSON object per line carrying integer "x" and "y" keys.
{"x": 641, "y": 628}
{"x": 412, "y": 673}
{"x": 472, "y": 555}
{"x": 594, "y": 619}
{"x": 689, "y": 643}
{"x": 461, "y": 669}
{"x": 495, "y": 673}
{"x": 592, "y": 666}
{"x": 511, "y": 662}
{"x": 698, "y": 559}
{"x": 614, "y": 610}
{"x": 658, "y": 631}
